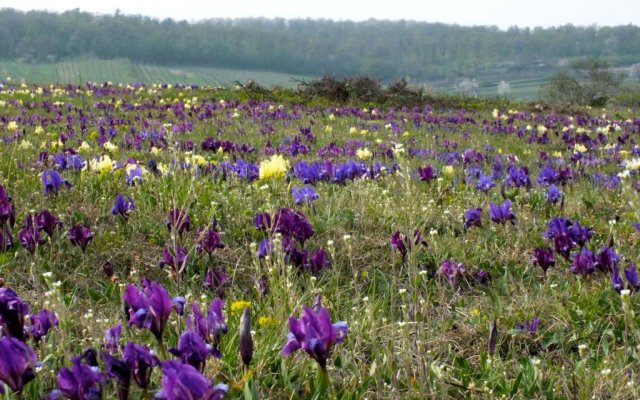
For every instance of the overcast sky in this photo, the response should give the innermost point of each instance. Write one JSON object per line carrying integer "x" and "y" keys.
{"x": 502, "y": 13}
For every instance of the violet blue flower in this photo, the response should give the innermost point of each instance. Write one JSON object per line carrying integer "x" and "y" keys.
{"x": 12, "y": 313}
{"x": 192, "y": 350}
{"x": 529, "y": 326}
{"x": 304, "y": 194}
{"x": 314, "y": 333}
{"x": 450, "y": 270}
{"x": 47, "y": 222}
{"x": 178, "y": 220}
{"x": 426, "y": 173}
{"x": 80, "y": 235}
{"x": 616, "y": 280}
{"x": 141, "y": 362}
{"x": 473, "y": 217}
{"x": 632, "y": 276}
{"x": 80, "y": 382}
{"x": 208, "y": 241}
{"x": 182, "y": 381}
{"x": 41, "y": 324}
{"x": 17, "y": 364}
{"x": 112, "y": 338}
{"x": 543, "y": 257}
{"x": 502, "y": 214}
{"x": 176, "y": 259}
{"x": 52, "y": 182}
{"x": 119, "y": 370}
{"x": 148, "y": 307}
{"x": 210, "y": 328}
{"x": 245, "y": 338}
{"x": 583, "y": 262}
{"x": 122, "y": 206}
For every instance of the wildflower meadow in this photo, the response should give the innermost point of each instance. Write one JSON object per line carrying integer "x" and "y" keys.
{"x": 185, "y": 242}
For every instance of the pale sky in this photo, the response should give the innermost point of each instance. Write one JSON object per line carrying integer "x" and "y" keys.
{"x": 502, "y": 13}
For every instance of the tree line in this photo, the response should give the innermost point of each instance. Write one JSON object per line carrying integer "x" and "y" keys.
{"x": 385, "y": 50}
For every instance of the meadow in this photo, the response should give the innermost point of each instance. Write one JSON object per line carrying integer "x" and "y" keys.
{"x": 185, "y": 242}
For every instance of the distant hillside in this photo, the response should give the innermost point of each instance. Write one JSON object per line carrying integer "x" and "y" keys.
{"x": 444, "y": 56}
{"x": 120, "y": 70}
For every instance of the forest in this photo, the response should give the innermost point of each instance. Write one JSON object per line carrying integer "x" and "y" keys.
{"x": 385, "y": 50}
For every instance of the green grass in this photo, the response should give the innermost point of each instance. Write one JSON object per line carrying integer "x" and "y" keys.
{"x": 124, "y": 71}
{"x": 413, "y": 334}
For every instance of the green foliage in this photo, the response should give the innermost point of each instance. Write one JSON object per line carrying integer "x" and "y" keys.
{"x": 589, "y": 82}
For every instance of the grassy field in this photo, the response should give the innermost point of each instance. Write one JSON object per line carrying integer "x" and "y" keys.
{"x": 456, "y": 254}
{"x": 125, "y": 71}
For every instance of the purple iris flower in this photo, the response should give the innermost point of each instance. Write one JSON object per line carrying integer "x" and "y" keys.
{"x": 133, "y": 175}
{"x": 12, "y": 313}
{"x": 314, "y": 333}
{"x": 52, "y": 182}
{"x": 559, "y": 231}
{"x": 502, "y": 213}
{"x": 29, "y": 236}
{"x": 123, "y": 206}
{"x": 6, "y": 240}
{"x": 41, "y": 324}
{"x": 179, "y": 220}
{"x": 400, "y": 242}
{"x": 397, "y": 243}
{"x": 75, "y": 161}
{"x": 182, "y": 381}
{"x": 547, "y": 176}
{"x": 141, "y": 361}
{"x": 632, "y": 276}
{"x": 178, "y": 304}
{"x": 493, "y": 338}
{"x": 265, "y": 248}
{"x": 7, "y": 212}
{"x": 176, "y": 259}
{"x": 482, "y": 277}
{"x": 553, "y": 194}
{"x": 317, "y": 261}
{"x": 485, "y": 183}
{"x": 245, "y": 338}
{"x": 529, "y": 326}
{"x": 450, "y": 270}
{"x": 583, "y": 262}
{"x": 112, "y": 338}
{"x": 209, "y": 240}
{"x": 80, "y": 235}
{"x": 293, "y": 224}
{"x": 543, "y": 257}
{"x": 148, "y": 307}
{"x": 607, "y": 259}
{"x": 580, "y": 234}
{"x": 211, "y": 327}
{"x": 192, "y": 350}
{"x": 616, "y": 280}
{"x": 473, "y": 217}
{"x": 215, "y": 280}
{"x": 17, "y": 364}
{"x": 518, "y": 177}
{"x": 262, "y": 221}
{"x": 119, "y": 370}
{"x": 426, "y": 173}
{"x": 80, "y": 382}
{"x": 304, "y": 194}
{"x": 47, "y": 222}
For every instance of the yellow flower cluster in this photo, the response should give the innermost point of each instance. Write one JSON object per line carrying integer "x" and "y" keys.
{"x": 103, "y": 165}
{"x": 266, "y": 322}
{"x": 238, "y": 306}
{"x": 275, "y": 167}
